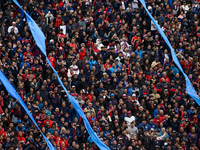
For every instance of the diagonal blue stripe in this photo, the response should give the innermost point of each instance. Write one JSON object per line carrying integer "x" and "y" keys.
{"x": 40, "y": 41}
{"x": 74, "y": 102}
{"x": 189, "y": 88}
{"x": 35, "y": 30}
{"x": 15, "y": 95}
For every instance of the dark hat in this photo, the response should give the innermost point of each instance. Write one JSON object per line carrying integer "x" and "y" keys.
{"x": 37, "y": 137}
{"x": 157, "y": 130}
{"x": 63, "y": 135}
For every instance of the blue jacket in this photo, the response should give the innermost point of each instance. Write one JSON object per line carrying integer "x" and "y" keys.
{"x": 154, "y": 126}
{"x": 113, "y": 69}
{"x": 143, "y": 126}
{"x": 139, "y": 53}
{"x": 22, "y": 129}
{"x": 175, "y": 70}
{"x": 92, "y": 63}
{"x": 22, "y": 63}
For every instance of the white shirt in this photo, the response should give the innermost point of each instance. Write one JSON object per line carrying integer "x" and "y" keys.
{"x": 152, "y": 27}
{"x": 135, "y": 4}
{"x": 138, "y": 103}
{"x": 123, "y": 5}
{"x": 129, "y": 120}
{"x": 185, "y": 8}
{"x": 75, "y": 69}
{"x": 166, "y": 57}
{"x": 15, "y": 29}
{"x": 64, "y": 28}
{"x": 126, "y": 54}
{"x": 124, "y": 45}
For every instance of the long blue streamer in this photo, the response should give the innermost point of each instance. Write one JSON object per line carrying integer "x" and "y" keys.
{"x": 40, "y": 41}
{"x": 189, "y": 88}
{"x": 15, "y": 95}
{"x": 74, "y": 102}
{"x": 170, "y": 2}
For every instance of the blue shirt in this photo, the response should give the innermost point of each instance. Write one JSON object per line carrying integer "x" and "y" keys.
{"x": 139, "y": 53}
{"x": 113, "y": 69}
{"x": 92, "y": 63}
{"x": 52, "y": 131}
{"x": 28, "y": 65}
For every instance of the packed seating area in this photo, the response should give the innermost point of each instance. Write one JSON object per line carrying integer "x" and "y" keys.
{"x": 113, "y": 61}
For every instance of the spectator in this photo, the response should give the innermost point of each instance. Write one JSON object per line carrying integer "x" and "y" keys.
{"x": 13, "y": 26}
{"x": 129, "y": 118}
{"x": 113, "y": 61}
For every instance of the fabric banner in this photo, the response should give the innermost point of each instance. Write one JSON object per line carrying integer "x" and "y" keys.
{"x": 76, "y": 105}
{"x": 170, "y": 2}
{"x": 40, "y": 41}
{"x": 15, "y": 95}
{"x": 189, "y": 88}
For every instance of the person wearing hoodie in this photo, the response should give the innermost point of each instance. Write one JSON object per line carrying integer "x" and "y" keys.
{"x": 49, "y": 17}
{"x": 20, "y": 137}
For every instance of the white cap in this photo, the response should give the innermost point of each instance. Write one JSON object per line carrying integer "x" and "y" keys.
{"x": 149, "y": 7}
{"x": 104, "y": 73}
{"x": 133, "y": 94}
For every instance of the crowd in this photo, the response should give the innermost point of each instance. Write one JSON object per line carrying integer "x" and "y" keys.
{"x": 113, "y": 61}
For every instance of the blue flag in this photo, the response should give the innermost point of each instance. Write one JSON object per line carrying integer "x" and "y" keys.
{"x": 15, "y": 95}
{"x": 189, "y": 88}
{"x": 40, "y": 41}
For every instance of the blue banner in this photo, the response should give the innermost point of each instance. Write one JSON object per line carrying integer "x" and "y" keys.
{"x": 35, "y": 30}
{"x": 40, "y": 41}
{"x": 189, "y": 88}
{"x": 76, "y": 105}
{"x": 15, "y": 95}
{"x": 170, "y": 2}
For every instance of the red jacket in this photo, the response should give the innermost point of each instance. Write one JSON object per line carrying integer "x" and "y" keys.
{"x": 50, "y": 123}
{"x": 65, "y": 141}
{"x": 53, "y": 61}
{"x": 90, "y": 119}
{"x": 162, "y": 118}
{"x": 157, "y": 121}
{"x": 1, "y": 131}
{"x": 166, "y": 79}
{"x": 188, "y": 66}
{"x": 82, "y": 54}
{"x": 21, "y": 138}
